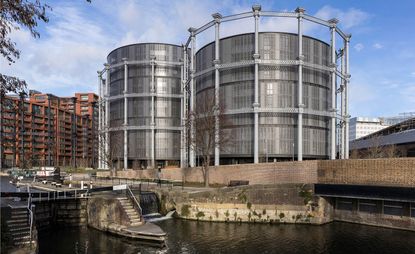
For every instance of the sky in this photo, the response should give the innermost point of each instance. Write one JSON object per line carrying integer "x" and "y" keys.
{"x": 74, "y": 44}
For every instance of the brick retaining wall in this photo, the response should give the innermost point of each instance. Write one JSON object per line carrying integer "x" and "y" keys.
{"x": 386, "y": 172}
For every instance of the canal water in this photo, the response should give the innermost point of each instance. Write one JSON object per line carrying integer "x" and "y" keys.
{"x": 209, "y": 237}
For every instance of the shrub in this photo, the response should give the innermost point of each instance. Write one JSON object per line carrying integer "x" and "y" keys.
{"x": 185, "y": 211}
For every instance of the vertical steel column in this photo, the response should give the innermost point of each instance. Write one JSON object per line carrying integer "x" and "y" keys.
{"x": 256, "y": 9}
{"x": 107, "y": 114}
{"x": 184, "y": 108}
{"x": 342, "y": 149}
{"x": 125, "y": 113}
{"x": 346, "y": 95}
{"x": 99, "y": 118}
{"x": 153, "y": 123}
{"x": 300, "y": 11}
{"x": 192, "y": 95}
{"x": 182, "y": 144}
{"x": 216, "y": 62}
{"x": 333, "y": 23}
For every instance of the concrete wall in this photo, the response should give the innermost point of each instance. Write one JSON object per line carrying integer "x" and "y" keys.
{"x": 287, "y": 203}
{"x": 375, "y": 219}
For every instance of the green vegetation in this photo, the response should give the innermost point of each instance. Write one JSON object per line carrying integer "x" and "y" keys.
{"x": 200, "y": 214}
{"x": 264, "y": 211}
{"x": 249, "y": 205}
{"x": 185, "y": 210}
{"x": 281, "y": 215}
{"x": 242, "y": 196}
{"x": 227, "y": 213}
{"x": 306, "y": 194}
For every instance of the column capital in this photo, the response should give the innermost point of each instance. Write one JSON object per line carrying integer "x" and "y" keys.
{"x": 107, "y": 66}
{"x": 256, "y": 9}
{"x": 301, "y": 58}
{"x": 333, "y": 22}
{"x": 333, "y": 110}
{"x": 255, "y": 105}
{"x": 217, "y": 17}
{"x": 333, "y": 67}
{"x": 348, "y": 37}
{"x": 256, "y": 56}
{"x": 192, "y": 31}
{"x": 300, "y": 11}
{"x": 124, "y": 59}
{"x": 216, "y": 62}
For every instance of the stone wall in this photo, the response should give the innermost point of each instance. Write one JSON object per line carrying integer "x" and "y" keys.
{"x": 65, "y": 212}
{"x": 105, "y": 211}
{"x": 287, "y": 203}
{"x": 382, "y": 172}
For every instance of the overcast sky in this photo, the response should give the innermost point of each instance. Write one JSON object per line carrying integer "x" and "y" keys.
{"x": 76, "y": 41}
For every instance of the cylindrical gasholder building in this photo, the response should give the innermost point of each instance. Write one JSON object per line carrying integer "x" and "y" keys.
{"x": 147, "y": 78}
{"x": 278, "y": 98}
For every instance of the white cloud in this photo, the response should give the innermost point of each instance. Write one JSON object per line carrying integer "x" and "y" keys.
{"x": 377, "y": 46}
{"x": 413, "y": 74}
{"x": 359, "y": 47}
{"x": 79, "y": 36}
{"x": 348, "y": 19}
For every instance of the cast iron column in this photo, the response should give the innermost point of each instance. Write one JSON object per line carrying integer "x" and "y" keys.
{"x": 107, "y": 114}
{"x": 192, "y": 95}
{"x": 333, "y": 23}
{"x": 256, "y": 9}
{"x": 346, "y": 95}
{"x": 153, "y": 123}
{"x": 125, "y": 113}
{"x": 300, "y": 11}
{"x": 216, "y": 62}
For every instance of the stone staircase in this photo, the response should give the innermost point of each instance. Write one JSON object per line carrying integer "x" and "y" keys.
{"x": 131, "y": 212}
{"x": 19, "y": 226}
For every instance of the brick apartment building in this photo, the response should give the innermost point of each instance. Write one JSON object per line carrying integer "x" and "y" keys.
{"x": 54, "y": 131}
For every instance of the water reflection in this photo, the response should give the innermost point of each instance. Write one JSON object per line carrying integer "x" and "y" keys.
{"x": 205, "y": 237}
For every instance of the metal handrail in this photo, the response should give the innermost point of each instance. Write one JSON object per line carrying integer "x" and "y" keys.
{"x": 135, "y": 201}
{"x": 29, "y": 208}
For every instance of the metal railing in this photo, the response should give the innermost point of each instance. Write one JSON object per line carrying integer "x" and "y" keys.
{"x": 134, "y": 200}
{"x": 29, "y": 208}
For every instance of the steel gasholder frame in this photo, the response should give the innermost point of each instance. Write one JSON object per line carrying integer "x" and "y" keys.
{"x": 300, "y": 110}
{"x": 190, "y": 73}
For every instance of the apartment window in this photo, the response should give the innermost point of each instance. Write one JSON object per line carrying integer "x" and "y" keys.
{"x": 84, "y": 97}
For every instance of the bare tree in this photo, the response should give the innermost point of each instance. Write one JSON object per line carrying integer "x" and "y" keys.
{"x": 375, "y": 149}
{"x": 109, "y": 156}
{"x": 390, "y": 151}
{"x": 204, "y": 131}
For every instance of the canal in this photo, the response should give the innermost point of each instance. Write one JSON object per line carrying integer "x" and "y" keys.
{"x": 205, "y": 237}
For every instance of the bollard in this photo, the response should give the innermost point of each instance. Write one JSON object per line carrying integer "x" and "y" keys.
{"x": 82, "y": 185}
{"x": 70, "y": 180}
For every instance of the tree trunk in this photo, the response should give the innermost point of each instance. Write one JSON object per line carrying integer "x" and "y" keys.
{"x": 207, "y": 162}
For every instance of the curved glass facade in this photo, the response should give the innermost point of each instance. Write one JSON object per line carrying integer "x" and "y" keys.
{"x": 166, "y": 96}
{"x": 278, "y": 99}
